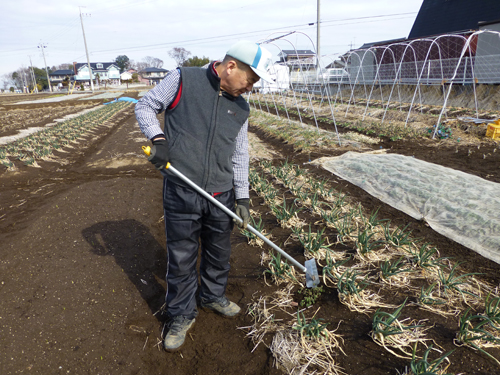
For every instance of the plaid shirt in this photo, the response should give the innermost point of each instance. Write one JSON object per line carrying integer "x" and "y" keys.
{"x": 161, "y": 97}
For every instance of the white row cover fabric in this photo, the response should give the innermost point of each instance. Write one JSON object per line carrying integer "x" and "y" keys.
{"x": 455, "y": 204}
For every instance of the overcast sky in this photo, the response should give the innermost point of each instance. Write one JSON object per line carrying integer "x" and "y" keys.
{"x": 140, "y": 28}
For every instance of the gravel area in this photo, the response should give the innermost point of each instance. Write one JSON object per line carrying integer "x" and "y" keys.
{"x": 105, "y": 95}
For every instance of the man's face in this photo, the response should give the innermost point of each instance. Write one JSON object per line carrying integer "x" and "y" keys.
{"x": 240, "y": 79}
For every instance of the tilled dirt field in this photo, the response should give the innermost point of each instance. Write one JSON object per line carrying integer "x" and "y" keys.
{"x": 82, "y": 264}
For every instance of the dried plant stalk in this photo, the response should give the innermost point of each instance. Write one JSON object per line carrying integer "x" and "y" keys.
{"x": 296, "y": 354}
{"x": 363, "y": 302}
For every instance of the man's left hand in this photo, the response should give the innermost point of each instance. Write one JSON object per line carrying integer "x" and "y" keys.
{"x": 160, "y": 155}
{"x": 243, "y": 212}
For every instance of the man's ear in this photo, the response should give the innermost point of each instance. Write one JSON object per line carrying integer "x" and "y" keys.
{"x": 231, "y": 66}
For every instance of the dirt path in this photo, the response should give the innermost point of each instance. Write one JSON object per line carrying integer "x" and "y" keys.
{"x": 82, "y": 264}
{"x": 82, "y": 274}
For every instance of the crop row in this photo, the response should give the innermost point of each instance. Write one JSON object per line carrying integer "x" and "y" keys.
{"x": 305, "y": 137}
{"x": 41, "y": 145}
{"x": 12, "y": 119}
{"x": 367, "y": 256}
{"x": 372, "y": 128}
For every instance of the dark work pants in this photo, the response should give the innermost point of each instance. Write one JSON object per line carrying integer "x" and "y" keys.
{"x": 190, "y": 219}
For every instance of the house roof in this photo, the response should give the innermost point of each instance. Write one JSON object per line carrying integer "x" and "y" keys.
{"x": 286, "y": 52}
{"x": 93, "y": 66}
{"x": 382, "y": 43}
{"x": 153, "y": 70}
{"x": 62, "y": 72}
{"x": 445, "y": 16}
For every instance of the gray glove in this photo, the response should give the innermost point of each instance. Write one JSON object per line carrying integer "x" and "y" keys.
{"x": 243, "y": 212}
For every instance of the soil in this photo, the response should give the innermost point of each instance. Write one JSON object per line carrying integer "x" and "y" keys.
{"x": 82, "y": 266}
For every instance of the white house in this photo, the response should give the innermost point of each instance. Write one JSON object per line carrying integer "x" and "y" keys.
{"x": 103, "y": 71}
{"x": 126, "y": 76}
{"x": 280, "y": 73}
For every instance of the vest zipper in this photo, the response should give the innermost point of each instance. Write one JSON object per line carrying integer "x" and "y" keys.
{"x": 212, "y": 135}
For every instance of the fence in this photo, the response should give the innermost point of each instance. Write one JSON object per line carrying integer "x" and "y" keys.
{"x": 449, "y": 70}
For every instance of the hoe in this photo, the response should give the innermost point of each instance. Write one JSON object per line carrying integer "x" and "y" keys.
{"x": 309, "y": 267}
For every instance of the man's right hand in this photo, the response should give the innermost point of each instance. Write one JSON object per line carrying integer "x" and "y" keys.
{"x": 159, "y": 154}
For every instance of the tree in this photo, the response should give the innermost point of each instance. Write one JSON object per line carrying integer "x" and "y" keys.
{"x": 64, "y": 67}
{"x": 6, "y": 81}
{"x": 123, "y": 62}
{"x": 41, "y": 77}
{"x": 179, "y": 54}
{"x": 196, "y": 61}
{"x": 152, "y": 62}
{"x": 140, "y": 65}
{"x": 127, "y": 81}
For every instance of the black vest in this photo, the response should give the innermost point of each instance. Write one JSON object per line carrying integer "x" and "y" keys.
{"x": 201, "y": 130}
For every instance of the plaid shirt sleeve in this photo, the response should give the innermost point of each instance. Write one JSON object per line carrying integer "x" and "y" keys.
{"x": 240, "y": 164}
{"x": 157, "y": 101}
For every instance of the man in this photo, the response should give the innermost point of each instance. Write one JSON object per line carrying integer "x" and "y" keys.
{"x": 205, "y": 138}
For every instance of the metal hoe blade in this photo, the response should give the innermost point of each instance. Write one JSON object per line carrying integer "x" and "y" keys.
{"x": 312, "y": 277}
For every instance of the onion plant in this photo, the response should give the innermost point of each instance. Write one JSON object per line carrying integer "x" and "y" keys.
{"x": 397, "y": 237}
{"x": 424, "y": 256}
{"x": 474, "y": 332}
{"x": 422, "y": 366}
{"x": 389, "y": 269}
{"x": 389, "y": 330}
{"x": 332, "y": 267}
{"x": 364, "y": 242}
{"x": 41, "y": 144}
{"x": 453, "y": 282}
{"x": 312, "y": 330}
{"x": 373, "y": 220}
{"x": 492, "y": 310}
{"x": 348, "y": 283}
{"x": 283, "y": 212}
{"x": 253, "y": 238}
{"x": 313, "y": 242}
{"x": 426, "y": 297}
{"x": 278, "y": 268}
{"x": 339, "y": 200}
{"x": 344, "y": 226}
{"x": 330, "y": 217}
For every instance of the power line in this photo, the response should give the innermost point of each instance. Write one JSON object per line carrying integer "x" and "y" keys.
{"x": 72, "y": 23}
{"x": 230, "y": 36}
{"x": 367, "y": 17}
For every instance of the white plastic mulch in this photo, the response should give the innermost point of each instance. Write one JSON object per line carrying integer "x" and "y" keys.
{"x": 54, "y": 99}
{"x": 455, "y": 204}
{"x": 105, "y": 95}
{"x": 142, "y": 93}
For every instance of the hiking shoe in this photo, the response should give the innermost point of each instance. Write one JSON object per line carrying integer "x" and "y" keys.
{"x": 177, "y": 330}
{"x": 223, "y": 306}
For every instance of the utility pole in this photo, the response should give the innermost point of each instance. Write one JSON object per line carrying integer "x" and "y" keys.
{"x": 87, "y": 52}
{"x": 35, "y": 88}
{"x": 25, "y": 82}
{"x": 318, "y": 36}
{"x": 41, "y": 46}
